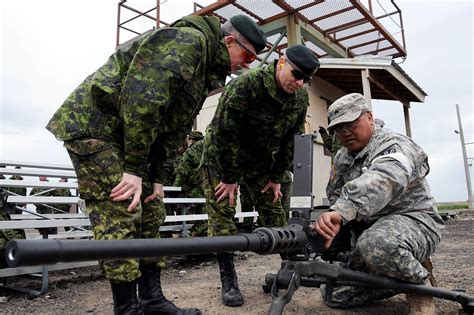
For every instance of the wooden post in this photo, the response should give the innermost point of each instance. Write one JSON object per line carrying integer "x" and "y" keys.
{"x": 406, "y": 114}
{"x": 366, "y": 85}
{"x": 293, "y": 30}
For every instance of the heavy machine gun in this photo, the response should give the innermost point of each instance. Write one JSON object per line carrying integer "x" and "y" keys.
{"x": 305, "y": 261}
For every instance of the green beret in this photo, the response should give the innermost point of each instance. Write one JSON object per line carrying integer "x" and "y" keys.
{"x": 250, "y": 30}
{"x": 302, "y": 57}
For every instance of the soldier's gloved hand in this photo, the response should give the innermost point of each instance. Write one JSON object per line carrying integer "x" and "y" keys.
{"x": 223, "y": 190}
{"x": 322, "y": 130}
{"x": 158, "y": 191}
{"x": 128, "y": 186}
{"x": 328, "y": 225}
{"x": 276, "y": 190}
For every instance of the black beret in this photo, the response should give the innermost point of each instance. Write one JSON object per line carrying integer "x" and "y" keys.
{"x": 302, "y": 57}
{"x": 250, "y": 30}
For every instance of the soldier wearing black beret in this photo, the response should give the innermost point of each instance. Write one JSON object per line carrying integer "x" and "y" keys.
{"x": 250, "y": 140}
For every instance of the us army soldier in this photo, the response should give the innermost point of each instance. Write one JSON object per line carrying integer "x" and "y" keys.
{"x": 379, "y": 180}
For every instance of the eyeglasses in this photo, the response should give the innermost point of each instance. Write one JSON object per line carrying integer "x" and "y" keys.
{"x": 249, "y": 56}
{"x": 300, "y": 76}
{"x": 349, "y": 127}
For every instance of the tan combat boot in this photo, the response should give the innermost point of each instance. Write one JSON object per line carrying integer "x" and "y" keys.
{"x": 420, "y": 304}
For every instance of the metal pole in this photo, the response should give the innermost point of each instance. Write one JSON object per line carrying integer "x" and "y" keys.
{"x": 464, "y": 156}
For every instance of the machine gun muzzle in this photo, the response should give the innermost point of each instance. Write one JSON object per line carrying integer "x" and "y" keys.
{"x": 262, "y": 241}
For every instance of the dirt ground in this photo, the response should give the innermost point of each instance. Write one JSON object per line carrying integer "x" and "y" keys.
{"x": 84, "y": 290}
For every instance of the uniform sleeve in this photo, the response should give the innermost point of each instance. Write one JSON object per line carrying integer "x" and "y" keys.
{"x": 228, "y": 118}
{"x": 284, "y": 157}
{"x": 387, "y": 177}
{"x": 184, "y": 170}
{"x": 158, "y": 70}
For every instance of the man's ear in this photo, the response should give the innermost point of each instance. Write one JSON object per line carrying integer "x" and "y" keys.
{"x": 370, "y": 117}
{"x": 228, "y": 39}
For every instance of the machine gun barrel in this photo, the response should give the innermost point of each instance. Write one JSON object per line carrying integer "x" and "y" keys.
{"x": 43, "y": 252}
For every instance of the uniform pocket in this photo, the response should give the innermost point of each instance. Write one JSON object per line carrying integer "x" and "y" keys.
{"x": 98, "y": 166}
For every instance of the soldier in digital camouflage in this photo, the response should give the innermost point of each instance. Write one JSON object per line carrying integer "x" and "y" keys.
{"x": 251, "y": 138}
{"x": 124, "y": 122}
{"x": 189, "y": 178}
{"x": 379, "y": 181}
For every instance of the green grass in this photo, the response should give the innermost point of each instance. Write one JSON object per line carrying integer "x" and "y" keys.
{"x": 456, "y": 206}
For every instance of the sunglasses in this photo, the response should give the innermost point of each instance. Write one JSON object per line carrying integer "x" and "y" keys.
{"x": 248, "y": 55}
{"x": 349, "y": 127}
{"x": 300, "y": 76}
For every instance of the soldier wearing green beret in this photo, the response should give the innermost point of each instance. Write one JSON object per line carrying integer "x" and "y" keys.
{"x": 123, "y": 123}
{"x": 251, "y": 138}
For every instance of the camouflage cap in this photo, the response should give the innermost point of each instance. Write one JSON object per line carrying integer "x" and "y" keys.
{"x": 250, "y": 30}
{"x": 347, "y": 109}
{"x": 195, "y": 135}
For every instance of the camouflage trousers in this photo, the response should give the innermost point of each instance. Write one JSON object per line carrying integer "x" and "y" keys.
{"x": 394, "y": 246}
{"x": 98, "y": 171}
{"x": 221, "y": 215}
{"x": 247, "y": 205}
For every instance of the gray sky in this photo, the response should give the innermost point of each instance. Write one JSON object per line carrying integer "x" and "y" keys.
{"x": 48, "y": 47}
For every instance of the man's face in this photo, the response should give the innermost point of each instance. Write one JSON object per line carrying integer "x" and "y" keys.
{"x": 241, "y": 56}
{"x": 285, "y": 78}
{"x": 355, "y": 135}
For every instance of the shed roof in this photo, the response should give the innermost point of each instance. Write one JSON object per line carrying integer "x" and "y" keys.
{"x": 387, "y": 79}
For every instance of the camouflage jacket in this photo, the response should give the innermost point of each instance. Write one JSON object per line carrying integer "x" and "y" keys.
{"x": 387, "y": 177}
{"x": 188, "y": 173}
{"x": 252, "y": 132}
{"x": 146, "y": 96}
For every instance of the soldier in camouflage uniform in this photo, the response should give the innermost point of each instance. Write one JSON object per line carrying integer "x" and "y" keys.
{"x": 58, "y": 192}
{"x": 251, "y": 137}
{"x": 172, "y": 208}
{"x": 45, "y": 209}
{"x": 247, "y": 205}
{"x": 17, "y": 191}
{"x": 189, "y": 178}
{"x": 379, "y": 181}
{"x": 125, "y": 121}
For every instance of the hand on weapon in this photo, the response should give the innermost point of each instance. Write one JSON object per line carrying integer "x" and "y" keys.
{"x": 276, "y": 190}
{"x": 328, "y": 225}
{"x": 158, "y": 191}
{"x": 223, "y": 190}
{"x": 128, "y": 186}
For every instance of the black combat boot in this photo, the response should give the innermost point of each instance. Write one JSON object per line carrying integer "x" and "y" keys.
{"x": 231, "y": 295}
{"x": 151, "y": 296}
{"x": 125, "y": 298}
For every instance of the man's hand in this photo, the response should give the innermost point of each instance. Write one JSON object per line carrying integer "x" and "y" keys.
{"x": 276, "y": 190}
{"x": 223, "y": 190}
{"x": 129, "y": 185}
{"x": 328, "y": 225}
{"x": 157, "y": 192}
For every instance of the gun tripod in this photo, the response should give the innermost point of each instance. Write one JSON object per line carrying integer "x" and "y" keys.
{"x": 313, "y": 273}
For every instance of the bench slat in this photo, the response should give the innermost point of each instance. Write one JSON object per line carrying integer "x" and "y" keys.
{"x": 35, "y": 224}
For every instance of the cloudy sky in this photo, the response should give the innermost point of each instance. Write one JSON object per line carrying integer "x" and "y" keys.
{"x": 48, "y": 47}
